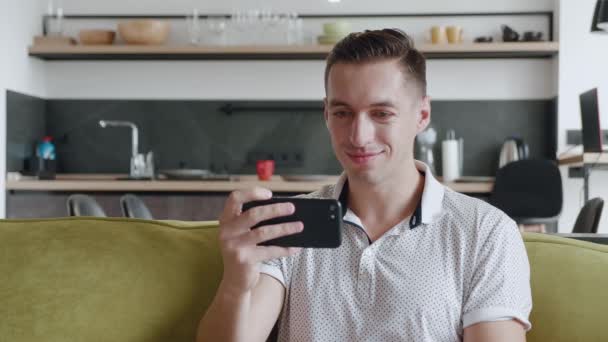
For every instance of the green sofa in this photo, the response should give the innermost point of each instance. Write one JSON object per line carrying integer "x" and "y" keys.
{"x": 113, "y": 279}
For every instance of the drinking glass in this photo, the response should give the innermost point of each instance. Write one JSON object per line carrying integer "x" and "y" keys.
{"x": 216, "y": 28}
{"x": 194, "y": 27}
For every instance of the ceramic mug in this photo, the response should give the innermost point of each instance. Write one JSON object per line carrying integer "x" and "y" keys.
{"x": 438, "y": 35}
{"x": 454, "y": 34}
{"x": 265, "y": 169}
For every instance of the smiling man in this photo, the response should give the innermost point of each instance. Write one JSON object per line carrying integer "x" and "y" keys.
{"x": 418, "y": 262}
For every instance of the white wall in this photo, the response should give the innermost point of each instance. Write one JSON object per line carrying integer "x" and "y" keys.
{"x": 499, "y": 79}
{"x": 485, "y": 79}
{"x": 496, "y": 79}
{"x": 582, "y": 66}
{"x": 20, "y": 22}
{"x": 303, "y": 80}
{"x": 305, "y": 6}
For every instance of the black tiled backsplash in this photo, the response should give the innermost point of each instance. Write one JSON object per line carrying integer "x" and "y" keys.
{"x": 26, "y": 123}
{"x": 484, "y": 125}
{"x": 191, "y": 134}
{"x": 203, "y": 134}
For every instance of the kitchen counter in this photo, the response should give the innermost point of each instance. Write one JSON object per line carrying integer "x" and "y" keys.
{"x": 101, "y": 184}
{"x": 111, "y": 183}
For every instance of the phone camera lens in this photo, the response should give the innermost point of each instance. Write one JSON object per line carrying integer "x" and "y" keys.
{"x": 332, "y": 216}
{"x": 332, "y": 207}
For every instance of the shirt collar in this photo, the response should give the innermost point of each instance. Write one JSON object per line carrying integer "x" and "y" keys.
{"x": 429, "y": 206}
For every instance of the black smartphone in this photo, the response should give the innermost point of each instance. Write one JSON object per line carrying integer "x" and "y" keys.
{"x": 322, "y": 219}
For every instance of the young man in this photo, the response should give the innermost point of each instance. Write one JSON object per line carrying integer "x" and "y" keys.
{"x": 418, "y": 262}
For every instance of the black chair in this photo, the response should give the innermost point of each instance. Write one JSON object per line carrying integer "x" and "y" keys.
{"x": 588, "y": 218}
{"x": 132, "y": 206}
{"x": 529, "y": 191}
{"x": 84, "y": 205}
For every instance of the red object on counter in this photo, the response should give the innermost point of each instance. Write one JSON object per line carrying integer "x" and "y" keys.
{"x": 265, "y": 169}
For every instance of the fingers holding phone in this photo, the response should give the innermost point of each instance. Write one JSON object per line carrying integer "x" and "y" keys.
{"x": 234, "y": 204}
{"x": 239, "y": 243}
{"x": 238, "y": 221}
{"x": 274, "y": 231}
{"x": 322, "y": 220}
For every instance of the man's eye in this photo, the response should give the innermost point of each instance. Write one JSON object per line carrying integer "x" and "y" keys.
{"x": 341, "y": 114}
{"x": 382, "y": 114}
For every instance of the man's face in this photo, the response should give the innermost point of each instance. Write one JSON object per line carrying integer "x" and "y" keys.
{"x": 373, "y": 115}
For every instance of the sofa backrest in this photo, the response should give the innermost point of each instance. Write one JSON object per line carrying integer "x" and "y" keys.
{"x": 116, "y": 279}
{"x": 569, "y": 289}
{"x": 103, "y": 279}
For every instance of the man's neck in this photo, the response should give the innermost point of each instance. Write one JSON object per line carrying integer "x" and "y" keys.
{"x": 383, "y": 205}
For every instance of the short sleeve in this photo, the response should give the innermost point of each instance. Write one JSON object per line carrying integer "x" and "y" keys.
{"x": 276, "y": 268}
{"x": 499, "y": 288}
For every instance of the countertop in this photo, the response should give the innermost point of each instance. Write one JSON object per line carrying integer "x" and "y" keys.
{"x": 111, "y": 183}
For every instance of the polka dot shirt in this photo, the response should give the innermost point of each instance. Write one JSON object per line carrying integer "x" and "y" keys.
{"x": 456, "y": 262}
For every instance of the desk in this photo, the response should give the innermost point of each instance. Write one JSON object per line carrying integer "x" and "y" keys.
{"x": 586, "y": 162}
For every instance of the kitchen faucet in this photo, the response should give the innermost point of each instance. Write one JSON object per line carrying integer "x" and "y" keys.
{"x": 141, "y": 166}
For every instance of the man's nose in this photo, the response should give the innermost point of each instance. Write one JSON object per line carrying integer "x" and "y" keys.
{"x": 362, "y": 130}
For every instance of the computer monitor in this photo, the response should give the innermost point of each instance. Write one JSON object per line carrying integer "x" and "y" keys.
{"x": 590, "y": 116}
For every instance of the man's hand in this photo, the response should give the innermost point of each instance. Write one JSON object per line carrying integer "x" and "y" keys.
{"x": 246, "y": 306}
{"x": 239, "y": 243}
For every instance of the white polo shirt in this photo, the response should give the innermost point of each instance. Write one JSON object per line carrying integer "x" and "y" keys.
{"x": 456, "y": 262}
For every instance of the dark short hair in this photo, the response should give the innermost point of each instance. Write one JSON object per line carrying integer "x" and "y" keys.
{"x": 374, "y": 45}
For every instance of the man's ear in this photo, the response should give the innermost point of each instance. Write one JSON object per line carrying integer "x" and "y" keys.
{"x": 424, "y": 116}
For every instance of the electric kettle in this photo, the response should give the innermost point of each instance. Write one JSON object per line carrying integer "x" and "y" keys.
{"x": 513, "y": 149}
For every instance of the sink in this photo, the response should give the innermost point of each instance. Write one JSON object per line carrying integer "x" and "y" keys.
{"x": 128, "y": 178}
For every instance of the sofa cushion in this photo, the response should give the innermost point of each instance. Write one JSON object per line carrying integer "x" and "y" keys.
{"x": 115, "y": 279}
{"x": 569, "y": 289}
{"x": 105, "y": 279}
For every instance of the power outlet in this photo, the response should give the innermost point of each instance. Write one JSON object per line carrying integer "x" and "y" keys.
{"x": 281, "y": 158}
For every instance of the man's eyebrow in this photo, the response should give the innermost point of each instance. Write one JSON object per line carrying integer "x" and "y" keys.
{"x": 383, "y": 104}
{"x": 336, "y": 103}
{"x": 339, "y": 103}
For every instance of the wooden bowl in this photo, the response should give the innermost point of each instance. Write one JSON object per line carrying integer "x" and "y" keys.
{"x": 147, "y": 32}
{"x": 96, "y": 37}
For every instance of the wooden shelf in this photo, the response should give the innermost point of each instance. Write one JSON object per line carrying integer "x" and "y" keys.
{"x": 492, "y": 50}
{"x": 585, "y": 158}
{"x": 303, "y": 52}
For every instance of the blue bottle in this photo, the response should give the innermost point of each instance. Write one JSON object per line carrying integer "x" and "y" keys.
{"x": 46, "y": 149}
